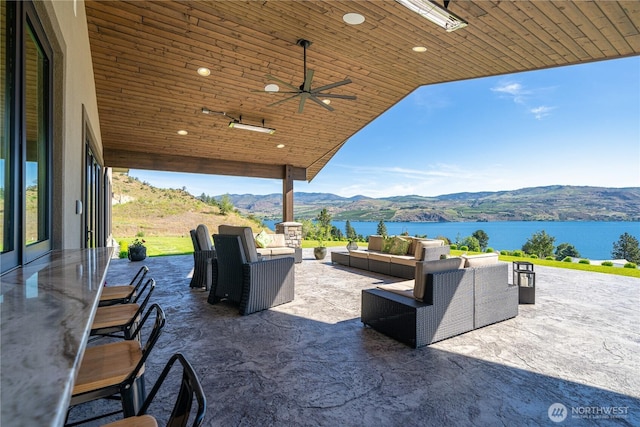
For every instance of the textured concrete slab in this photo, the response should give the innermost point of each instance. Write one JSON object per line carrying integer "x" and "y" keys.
{"x": 312, "y": 362}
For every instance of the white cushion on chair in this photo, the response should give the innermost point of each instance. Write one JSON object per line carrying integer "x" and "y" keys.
{"x": 246, "y": 236}
{"x": 480, "y": 259}
{"x": 203, "y": 238}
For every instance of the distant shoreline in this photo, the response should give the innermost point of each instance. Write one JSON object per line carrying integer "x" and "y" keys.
{"x": 593, "y": 239}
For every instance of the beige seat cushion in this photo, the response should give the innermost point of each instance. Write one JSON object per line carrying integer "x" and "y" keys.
{"x": 277, "y": 241}
{"x": 403, "y": 260}
{"x": 432, "y": 243}
{"x": 379, "y": 256}
{"x": 480, "y": 259}
{"x": 264, "y": 251}
{"x": 282, "y": 251}
{"x": 375, "y": 243}
{"x": 425, "y": 267}
{"x": 359, "y": 254}
{"x": 404, "y": 288}
{"x": 417, "y": 249}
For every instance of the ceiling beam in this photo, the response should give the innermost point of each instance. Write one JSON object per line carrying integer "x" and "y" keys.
{"x": 167, "y": 162}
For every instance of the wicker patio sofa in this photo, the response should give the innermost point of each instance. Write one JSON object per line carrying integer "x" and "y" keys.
{"x": 275, "y": 246}
{"x": 443, "y": 301}
{"x": 398, "y": 264}
{"x": 243, "y": 278}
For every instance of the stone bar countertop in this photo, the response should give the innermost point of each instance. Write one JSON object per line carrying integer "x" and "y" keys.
{"x": 46, "y": 311}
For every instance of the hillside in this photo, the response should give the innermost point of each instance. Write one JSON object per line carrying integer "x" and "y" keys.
{"x": 552, "y": 203}
{"x": 140, "y": 208}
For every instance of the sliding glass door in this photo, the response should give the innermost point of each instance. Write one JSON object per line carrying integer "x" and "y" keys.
{"x": 25, "y": 136}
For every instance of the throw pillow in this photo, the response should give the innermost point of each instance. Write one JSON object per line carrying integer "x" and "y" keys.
{"x": 399, "y": 246}
{"x": 386, "y": 245}
{"x": 263, "y": 239}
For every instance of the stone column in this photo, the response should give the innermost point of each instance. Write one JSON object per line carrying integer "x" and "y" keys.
{"x": 292, "y": 233}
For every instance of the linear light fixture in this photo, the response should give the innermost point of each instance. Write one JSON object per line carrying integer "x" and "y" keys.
{"x": 237, "y": 123}
{"x": 435, "y": 13}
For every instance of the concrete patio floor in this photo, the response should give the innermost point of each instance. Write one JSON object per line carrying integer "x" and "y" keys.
{"x": 311, "y": 362}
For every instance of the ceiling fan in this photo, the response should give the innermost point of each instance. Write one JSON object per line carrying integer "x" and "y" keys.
{"x": 305, "y": 91}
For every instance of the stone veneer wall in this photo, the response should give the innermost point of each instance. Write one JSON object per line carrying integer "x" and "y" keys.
{"x": 292, "y": 233}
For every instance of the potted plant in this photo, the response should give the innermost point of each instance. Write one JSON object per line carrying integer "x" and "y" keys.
{"x": 320, "y": 251}
{"x": 137, "y": 250}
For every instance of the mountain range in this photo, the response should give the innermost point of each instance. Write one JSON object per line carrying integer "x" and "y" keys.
{"x": 549, "y": 203}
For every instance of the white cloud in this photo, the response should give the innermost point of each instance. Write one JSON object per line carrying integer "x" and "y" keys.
{"x": 523, "y": 96}
{"x": 515, "y": 90}
{"x": 541, "y": 111}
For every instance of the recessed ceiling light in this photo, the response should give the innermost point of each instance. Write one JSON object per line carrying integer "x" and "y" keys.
{"x": 272, "y": 87}
{"x": 326, "y": 101}
{"x": 204, "y": 71}
{"x": 353, "y": 18}
{"x": 183, "y": 132}
{"x": 280, "y": 146}
{"x": 419, "y": 49}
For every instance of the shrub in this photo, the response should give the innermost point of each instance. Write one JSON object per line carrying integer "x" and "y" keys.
{"x": 140, "y": 234}
{"x": 472, "y": 243}
{"x": 464, "y": 248}
{"x": 607, "y": 264}
{"x": 123, "y": 249}
{"x": 533, "y": 256}
{"x": 503, "y": 252}
{"x": 630, "y": 265}
{"x": 550, "y": 258}
{"x": 453, "y": 246}
{"x": 444, "y": 239}
{"x": 567, "y": 259}
{"x": 489, "y": 250}
{"x": 584, "y": 261}
{"x": 517, "y": 253}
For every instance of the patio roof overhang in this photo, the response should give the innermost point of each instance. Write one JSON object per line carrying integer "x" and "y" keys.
{"x": 146, "y": 53}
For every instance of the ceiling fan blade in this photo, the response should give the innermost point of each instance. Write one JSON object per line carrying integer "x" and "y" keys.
{"x": 335, "y": 95}
{"x": 307, "y": 81}
{"x": 283, "y": 100}
{"x": 275, "y": 93}
{"x": 270, "y": 77}
{"x": 303, "y": 98}
{"x": 331, "y": 86}
{"x": 320, "y": 103}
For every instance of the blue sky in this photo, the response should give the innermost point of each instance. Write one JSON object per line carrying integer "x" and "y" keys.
{"x": 577, "y": 125}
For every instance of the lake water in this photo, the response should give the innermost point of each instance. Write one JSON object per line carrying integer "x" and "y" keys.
{"x": 594, "y": 240}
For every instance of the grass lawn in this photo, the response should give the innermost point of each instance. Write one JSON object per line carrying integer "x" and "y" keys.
{"x": 161, "y": 246}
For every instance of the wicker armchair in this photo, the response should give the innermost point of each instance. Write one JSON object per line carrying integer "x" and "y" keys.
{"x": 203, "y": 258}
{"x": 244, "y": 279}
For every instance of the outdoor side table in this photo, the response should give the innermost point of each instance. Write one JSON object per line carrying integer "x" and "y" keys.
{"x": 525, "y": 278}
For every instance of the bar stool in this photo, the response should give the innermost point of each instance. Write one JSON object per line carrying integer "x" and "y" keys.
{"x": 190, "y": 388}
{"x": 122, "y": 294}
{"x": 116, "y": 370}
{"x": 118, "y": 321}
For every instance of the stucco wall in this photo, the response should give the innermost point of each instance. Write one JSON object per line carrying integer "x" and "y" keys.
{"x": 74, "y": 88}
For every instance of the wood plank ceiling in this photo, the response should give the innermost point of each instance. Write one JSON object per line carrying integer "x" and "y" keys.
{"x": 146, "y": 53}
